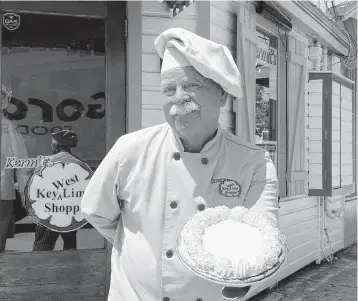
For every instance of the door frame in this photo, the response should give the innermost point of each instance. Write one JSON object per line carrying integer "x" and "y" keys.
{"x": 91, "y": 266}
{"x": 90, "y": 9}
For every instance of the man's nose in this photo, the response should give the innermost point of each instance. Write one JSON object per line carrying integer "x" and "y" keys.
{"x": 180, "y": 95}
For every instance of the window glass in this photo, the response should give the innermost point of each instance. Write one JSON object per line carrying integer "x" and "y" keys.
{"x": 266, "y": 94}
{"x": 53, "y": 79}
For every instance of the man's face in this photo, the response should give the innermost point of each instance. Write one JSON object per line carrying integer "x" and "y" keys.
{"x": 191, "y": 102}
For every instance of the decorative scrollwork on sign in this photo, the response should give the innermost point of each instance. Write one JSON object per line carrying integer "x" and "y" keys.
{"x": 176, "y": 6}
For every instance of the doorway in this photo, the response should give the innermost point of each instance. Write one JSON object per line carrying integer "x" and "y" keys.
{"x": 58, "y": 65}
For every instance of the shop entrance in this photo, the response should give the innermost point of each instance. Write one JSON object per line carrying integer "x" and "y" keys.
{"x": 62, "y": 68}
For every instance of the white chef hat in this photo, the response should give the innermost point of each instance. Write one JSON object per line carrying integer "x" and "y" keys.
{"x": 173, "y": 58}
{"x": 179, "y": 47}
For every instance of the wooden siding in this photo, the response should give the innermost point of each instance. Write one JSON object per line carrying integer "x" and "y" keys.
{"x": 313, "y": 163}
{"x": 223, "y": 30}
{"x": 298, "y": 221}
{"x": 246, "y": 58}
{"x": 346, "y": 111}
{"x": 350, "y": 220}
{"x": 309, "y": 156}
{"x": 223, "y": 26}
{"x": 314, "y": 134}
{"x": 156, "y": 19}
{"x": 338, "y": 126}
{"x": 301, "y": 220}
{"x": 296, "y": 87}
{"x": 333, "y": 226}
{"x": 336, "y": 135}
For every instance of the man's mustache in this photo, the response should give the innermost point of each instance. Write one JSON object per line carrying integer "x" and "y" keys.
{"x": 184, "y": 108}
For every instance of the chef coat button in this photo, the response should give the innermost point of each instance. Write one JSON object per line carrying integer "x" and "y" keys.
{"x": 201, "y": 207}
{"x": 176, "y": 156}
{"x": 173, "y": 205}
{"x": 169, "y": 253}
{"x": 204, "y": 161}
{"x": 166, "y": 299}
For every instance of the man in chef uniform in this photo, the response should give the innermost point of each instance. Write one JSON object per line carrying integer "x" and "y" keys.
{"x": 153, "y": 180}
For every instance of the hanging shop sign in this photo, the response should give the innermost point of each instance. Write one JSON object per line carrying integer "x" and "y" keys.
{"x": 53, "y": 195}
{"x": 271, "y": 147}
{"x": 266, "y": 56}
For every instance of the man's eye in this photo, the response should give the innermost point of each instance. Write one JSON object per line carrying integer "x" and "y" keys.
{"x": 192, "y": 86}
{"x": 169, "y": 90}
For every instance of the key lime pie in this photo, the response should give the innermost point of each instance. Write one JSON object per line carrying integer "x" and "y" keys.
{"x": 231, "y": 246}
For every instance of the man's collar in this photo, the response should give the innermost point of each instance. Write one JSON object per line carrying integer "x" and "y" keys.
{"x": 207, "y": 146}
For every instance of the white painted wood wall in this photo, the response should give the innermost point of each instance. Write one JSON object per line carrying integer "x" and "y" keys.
{"x": 298, "y": 221}
{"x": 303, "y": 223}
{"x": 314, "y": 133}
{"x": 336, "y": 135}
{"x": 346, "y": 136}
{"x": 350, "y": 220}
{"x": 342, "y": 133}
{"x": 333, "y": 225}
{"x": 156, "y": 19}
{"x": 223, "y": 24}
{"x": 313, "y": 146}
{"x": 296, "y": 84}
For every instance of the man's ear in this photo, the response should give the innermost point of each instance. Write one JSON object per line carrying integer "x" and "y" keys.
{"x": 224, "y": 96}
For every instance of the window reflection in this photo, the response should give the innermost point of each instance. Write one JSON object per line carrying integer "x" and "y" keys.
{"x": 266, "y": 94}
{"x": 53, "y": 79}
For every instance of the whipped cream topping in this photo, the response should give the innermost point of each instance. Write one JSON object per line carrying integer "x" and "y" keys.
{"x": 231, "y": 244}
{"x": 232, "y": 240}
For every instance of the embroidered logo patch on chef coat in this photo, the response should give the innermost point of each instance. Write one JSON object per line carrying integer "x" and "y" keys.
{"x": 227, "y": 187}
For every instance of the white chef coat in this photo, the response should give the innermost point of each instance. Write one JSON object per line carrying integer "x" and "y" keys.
{"x": 144, "y": 191}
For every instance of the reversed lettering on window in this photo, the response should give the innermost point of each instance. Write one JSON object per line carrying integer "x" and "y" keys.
{"x": 14, "y": 163}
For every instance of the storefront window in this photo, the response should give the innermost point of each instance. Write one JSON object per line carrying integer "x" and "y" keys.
{"x": 266, "y": 94}
{"x": 53, "y": 79}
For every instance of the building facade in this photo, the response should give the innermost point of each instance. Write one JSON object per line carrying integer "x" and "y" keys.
{"x": 102, "y": 82}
